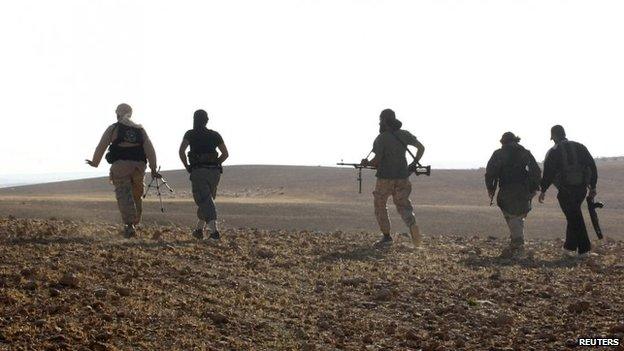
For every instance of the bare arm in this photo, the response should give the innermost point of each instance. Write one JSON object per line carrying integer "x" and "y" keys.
{"x": 150, "y": 153}
{"x": 420, "y": 150}
{"x": 101, "y": 148}
{"x": 224, "y": 153}
{"x": 182, "y": 152}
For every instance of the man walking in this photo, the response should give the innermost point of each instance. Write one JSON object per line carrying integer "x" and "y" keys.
{"x": 572, "y": 169}
{"x": 393, "y": 174}
{"x": 514, "y": 170}
{"x": 130, "y": 149}
{"x": 205, "y": 169}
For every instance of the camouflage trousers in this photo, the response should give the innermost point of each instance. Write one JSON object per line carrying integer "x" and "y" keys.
{"x": 204, "y": 182}
{"x": 400, "y": 190}
{"x": 127, "y": 177}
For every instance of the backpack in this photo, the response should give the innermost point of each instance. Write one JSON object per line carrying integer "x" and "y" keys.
{"x": 572, "y": 171}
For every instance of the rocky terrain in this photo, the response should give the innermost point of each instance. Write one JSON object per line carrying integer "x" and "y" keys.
{"x": 79, "y": 286}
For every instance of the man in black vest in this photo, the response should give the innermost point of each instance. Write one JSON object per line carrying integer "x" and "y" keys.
{"x": 129, "y": 149}
{"x": 204, "y": 165}
{"x": 572, "y": 169}
{"x": 514, "y": 169}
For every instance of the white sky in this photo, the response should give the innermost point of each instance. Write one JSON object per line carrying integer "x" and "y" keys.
{"x": 303, "y": 82}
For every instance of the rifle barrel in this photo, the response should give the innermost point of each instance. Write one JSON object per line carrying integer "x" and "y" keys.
{"x": 355, "y": 165}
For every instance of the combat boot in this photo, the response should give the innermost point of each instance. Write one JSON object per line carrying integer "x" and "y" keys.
{"x": 129, "y": 231}
{"x": 416, "y": 236}
{"x": 385, "y": 241}
{"x": 215, "y": 235}
{"x": 198, "y": 233}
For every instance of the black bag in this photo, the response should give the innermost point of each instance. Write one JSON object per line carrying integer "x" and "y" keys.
{"x": 111, "y": 155}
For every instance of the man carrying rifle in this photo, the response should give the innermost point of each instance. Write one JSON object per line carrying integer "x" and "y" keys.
{"x": 205, "y": 169}
{"x": 572, "y": 169}
{"x": 393, "y": 175}
{"x": 514, "y": 170}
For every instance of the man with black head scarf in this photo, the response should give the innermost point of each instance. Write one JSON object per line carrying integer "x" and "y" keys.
{"x": 204, "y": 165}
{"x": 514, "y": 170}
{"x": 392, "y": 174}
{"x": 129, "y": 149}
{"x": 572, "y": 169}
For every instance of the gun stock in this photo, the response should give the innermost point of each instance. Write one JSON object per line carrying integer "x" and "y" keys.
{"x": 592, "y": 205}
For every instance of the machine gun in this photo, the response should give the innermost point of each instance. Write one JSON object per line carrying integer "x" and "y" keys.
{"x": 359, "y": 168}
{"x": 592, "y": 205}
{"x": 415, "y": 168}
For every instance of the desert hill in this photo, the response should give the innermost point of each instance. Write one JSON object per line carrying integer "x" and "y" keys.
{"x": 315, "y": 198}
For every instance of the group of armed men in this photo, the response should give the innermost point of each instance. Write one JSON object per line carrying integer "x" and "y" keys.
{"x": 512, "y": 169}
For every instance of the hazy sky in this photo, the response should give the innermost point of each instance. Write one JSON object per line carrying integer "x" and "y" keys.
{"x": 303, "y": 82}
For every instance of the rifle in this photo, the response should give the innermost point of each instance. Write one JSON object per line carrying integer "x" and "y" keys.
{"x": 592, "y": 205}
{"x": 160, "y": 181}
{"x": 495, "y": 186}
{"x": 414, "y": 167}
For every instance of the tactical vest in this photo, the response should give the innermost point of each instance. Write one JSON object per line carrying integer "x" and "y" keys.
{"x": 572, "y": 172}
{"x": 130, "y": 135}
{"x": 201, "y": 154}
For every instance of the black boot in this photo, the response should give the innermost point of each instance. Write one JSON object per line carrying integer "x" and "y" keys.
{"x": 215, "y": 235}
{"x": 385, "y": 240}
{"x": 129, "y": 231}
{"x": 198, "y": 233}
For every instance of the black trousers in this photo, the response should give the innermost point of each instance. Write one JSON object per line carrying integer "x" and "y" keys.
{"x": 570, "y": 199}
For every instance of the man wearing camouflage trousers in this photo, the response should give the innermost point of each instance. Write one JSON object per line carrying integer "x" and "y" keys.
{"x": 393, "y": 175}
{"x": 129, "y": 150}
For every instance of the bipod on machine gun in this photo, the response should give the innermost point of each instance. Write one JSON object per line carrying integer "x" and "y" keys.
{"x": 359, "y": 168}
{"x": 160, "y": 183}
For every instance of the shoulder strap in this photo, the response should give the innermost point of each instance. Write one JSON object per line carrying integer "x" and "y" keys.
{"x": 404, "y": 145}
{"x": 115, "y": 125}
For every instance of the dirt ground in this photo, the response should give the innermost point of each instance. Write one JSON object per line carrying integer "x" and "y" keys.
{"x": 297, "y": 269}
{"x": 77, "y": 285}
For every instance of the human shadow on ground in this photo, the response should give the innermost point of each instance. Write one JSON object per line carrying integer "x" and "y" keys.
{"x": 525, "y": 262}
{"x": 360, "y": 253}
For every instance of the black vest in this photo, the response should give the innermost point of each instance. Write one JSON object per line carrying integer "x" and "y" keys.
{"x": 131, "y": 135}
{"x": 203, "y": 145}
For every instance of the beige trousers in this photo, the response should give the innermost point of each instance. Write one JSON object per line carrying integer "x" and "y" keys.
{"x": 400, "y": 190}
{"x": 516, "y": 228}
{"x": 127, "y": 177}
